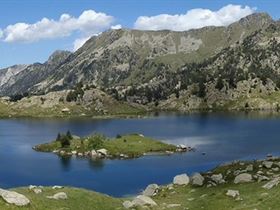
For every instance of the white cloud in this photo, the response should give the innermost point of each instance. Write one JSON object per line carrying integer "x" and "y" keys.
{"x": 115, "y": 27}
{"x": 195, "y": 18}
{"x": 80, "y": 42}
{"x": 87, "y": 24}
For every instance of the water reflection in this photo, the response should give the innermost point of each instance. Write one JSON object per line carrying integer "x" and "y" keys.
{"x": 96, "y": 164}
{"x": 65, "y": 162}
{"x": 223, "y": 137}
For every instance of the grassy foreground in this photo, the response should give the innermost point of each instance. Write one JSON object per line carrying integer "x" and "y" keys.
{"x": 130, "y": 146}
{"x": 252, "y": 195}
{"x": 78, "y": 199}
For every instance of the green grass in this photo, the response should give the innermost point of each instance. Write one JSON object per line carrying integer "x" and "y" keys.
{"x": 252, "y": 195}
{"x": 215, "y": 198}
{"x": 78, "y": 199}
{"x": 110, "y": 108}
{"x": 133, "y": 145}
{"x": 192, "y": 198}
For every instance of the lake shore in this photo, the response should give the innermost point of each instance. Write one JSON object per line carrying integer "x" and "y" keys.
{"x": 240, "y": 184}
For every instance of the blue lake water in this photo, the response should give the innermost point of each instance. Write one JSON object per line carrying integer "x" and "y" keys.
{"x": 223, "y": 137}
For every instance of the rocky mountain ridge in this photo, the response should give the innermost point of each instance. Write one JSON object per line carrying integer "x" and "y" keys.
{"x": 175, "y": 70}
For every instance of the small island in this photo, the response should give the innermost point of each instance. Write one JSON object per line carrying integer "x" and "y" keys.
{"x": 100, "y": 146}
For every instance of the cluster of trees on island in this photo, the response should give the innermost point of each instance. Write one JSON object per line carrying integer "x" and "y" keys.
{"x": 95, "y": 142}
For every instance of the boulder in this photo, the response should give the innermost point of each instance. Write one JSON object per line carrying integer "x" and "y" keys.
{"x": 237, "y": 172}
{"x": 181, "y": 179}
{"x": 233, "y": 193}
{"x": 197, "y": 179}
{"x": 65, "y": 110}
{"x": 243, "y": 178}
{"x": 123, "y": 156}
{"x": 173, "y": 205}
{"x": 277, "y": 164}
{"x": 55, "y": 187}
{"x": 170, "y": 187}
{"x": 260, "y": 172}
{"x": 276, "y": 169}
{"x": 271, "y": 184}
{"x": 103, "y": 152}
{"x": 35, "y": 189}
{"x": 262, "y": 178}
{"x": 142, "y": 200}
{"x": 151, "y": 190}
{"x": 93, "y": 153}
{"x": 267, "y": 164}
{"x": 182, "y": 147}
{"x": 59, "y": 196}
{"x": 249, "y": 168}
{"x": 31, "y": 187}
{"x": 15, "y": 198}
{"x": 128, "y": 204}
{"x": 217, "y": 178}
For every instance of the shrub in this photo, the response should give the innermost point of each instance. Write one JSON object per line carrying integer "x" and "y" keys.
{"x": 96, "y": 142}
{"x": 58, "y": 137}
{"x": 76, "y": 93}
{"x": 69, "y": 135}
{"x": 219, "y": 84}
{"x": 177, "y": 93}
{"x": 202, "y": 90}
{"x": 65, "y": 141}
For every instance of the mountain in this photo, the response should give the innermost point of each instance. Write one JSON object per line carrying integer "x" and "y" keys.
{"x": 245, "y": 75}
{"x": 27, "y": 78}
{"x": 174, "y": 70}
{"x": 119, "y": 57}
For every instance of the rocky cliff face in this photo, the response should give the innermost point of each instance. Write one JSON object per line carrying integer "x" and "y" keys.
{"x": 7, "y": 76}
{"x": 198, "y": 66}
{"x": 25, "y": 78}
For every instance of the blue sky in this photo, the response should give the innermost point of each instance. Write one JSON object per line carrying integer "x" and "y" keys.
{"x": 17, "y": 49}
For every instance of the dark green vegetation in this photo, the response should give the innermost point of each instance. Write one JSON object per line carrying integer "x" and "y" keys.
{"x": 126, "y": 146}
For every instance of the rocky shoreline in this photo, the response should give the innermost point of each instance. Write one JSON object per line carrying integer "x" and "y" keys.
{"x": 123, "y": 147}
{"x": 104, "y": 153}
{"x": 229, "y": 181}
{"x": 236, "y": 173}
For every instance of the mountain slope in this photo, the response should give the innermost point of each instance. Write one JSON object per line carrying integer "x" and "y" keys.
{"x": 130, "y": 57}
{"x": 245, "y": 75}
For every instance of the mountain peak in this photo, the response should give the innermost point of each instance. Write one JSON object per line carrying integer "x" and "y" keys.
{"x": 260, "y": 18}
{"x": 58, "y": 56}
